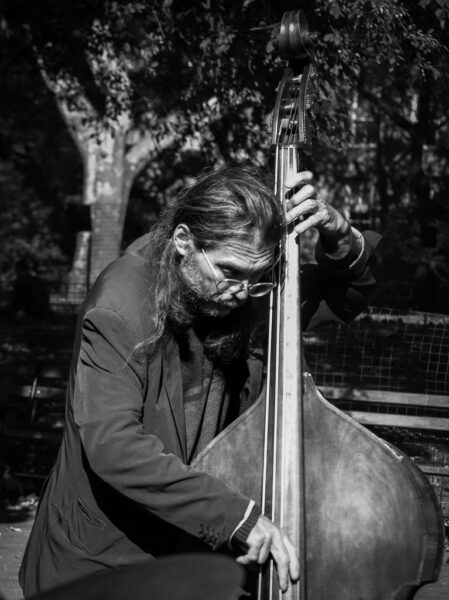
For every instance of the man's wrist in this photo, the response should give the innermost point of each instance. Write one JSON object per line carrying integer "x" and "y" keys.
{"x": 241, "y": 532}
{"x": 342, "y": 263}
{"x": 347, "y": 249}
{"x": 337, "y": 242}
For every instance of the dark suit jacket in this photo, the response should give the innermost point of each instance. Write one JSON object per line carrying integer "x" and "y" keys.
{"x": 120, "y": 489}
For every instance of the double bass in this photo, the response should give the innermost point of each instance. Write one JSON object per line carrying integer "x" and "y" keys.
{"x": 363, "y": 517}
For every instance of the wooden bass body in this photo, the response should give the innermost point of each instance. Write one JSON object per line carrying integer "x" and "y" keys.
{"x": 373, "y": 529}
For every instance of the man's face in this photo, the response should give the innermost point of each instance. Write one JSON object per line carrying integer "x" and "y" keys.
{"x": 243, "y": 260}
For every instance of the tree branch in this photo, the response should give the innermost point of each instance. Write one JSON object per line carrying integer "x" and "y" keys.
{"x": 110, "y": 73}
{"x": 390, "y": 110}
{"x": 144, "y": 150}
{"x": 71, "y": 100}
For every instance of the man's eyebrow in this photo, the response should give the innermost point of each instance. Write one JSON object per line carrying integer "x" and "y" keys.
{"x": 227, "y": 263}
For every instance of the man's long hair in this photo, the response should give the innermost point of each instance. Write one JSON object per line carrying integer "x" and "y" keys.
{"x": 230, "y": 203}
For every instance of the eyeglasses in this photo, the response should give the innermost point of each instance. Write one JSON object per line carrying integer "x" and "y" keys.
{"x": 256, "y": 290}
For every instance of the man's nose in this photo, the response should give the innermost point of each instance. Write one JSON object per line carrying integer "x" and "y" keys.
{"x": 243, "y": 292}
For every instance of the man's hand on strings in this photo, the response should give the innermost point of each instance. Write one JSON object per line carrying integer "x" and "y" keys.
{"x": 267, "y": 539}
{"x": 305, "y": 208}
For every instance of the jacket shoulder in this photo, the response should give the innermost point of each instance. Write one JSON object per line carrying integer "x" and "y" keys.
{"x": 126, "y": 288}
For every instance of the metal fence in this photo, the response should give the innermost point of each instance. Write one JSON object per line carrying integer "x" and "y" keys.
{"x": 383, "y": 349}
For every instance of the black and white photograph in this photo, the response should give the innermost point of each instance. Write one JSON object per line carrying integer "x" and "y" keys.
{"x": 224, "y": 300}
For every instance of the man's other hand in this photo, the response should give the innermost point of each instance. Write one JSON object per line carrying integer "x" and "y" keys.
{"x": 266, "y": 538}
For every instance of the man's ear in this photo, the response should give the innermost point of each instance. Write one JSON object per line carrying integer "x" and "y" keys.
{"x": 182, "y": 239}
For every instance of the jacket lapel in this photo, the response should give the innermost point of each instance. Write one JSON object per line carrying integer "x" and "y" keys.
{"x": 172, "y": 381}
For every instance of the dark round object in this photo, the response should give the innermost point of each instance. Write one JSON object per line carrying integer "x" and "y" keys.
{"x": 180, "y": 577}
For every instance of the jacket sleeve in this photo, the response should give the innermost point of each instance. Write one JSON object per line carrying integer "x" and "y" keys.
{"x": 108, "y": 408}
{"x": 338, "y": 289}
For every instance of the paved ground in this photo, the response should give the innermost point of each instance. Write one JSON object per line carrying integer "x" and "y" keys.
{"x": 15, "y": 526}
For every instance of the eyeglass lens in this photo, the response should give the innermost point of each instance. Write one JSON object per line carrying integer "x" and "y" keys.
{"x": 256, "y": 289}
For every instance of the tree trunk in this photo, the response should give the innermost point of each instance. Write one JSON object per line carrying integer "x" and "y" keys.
{"x": 110, "y": 168}
{"x": 109, "y": 208}
{"x": 106, "y": 191}
{"x": 419, "y": 181}
{"x": 78, "y": 278}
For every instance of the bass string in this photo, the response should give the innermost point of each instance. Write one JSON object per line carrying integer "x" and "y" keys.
{"x": 271, "y": 405}
{"x": 273, "y": 444}
{"x": 285, "y": 164}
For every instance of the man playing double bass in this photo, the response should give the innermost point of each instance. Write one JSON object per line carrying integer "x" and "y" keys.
{"x": 160, "y": 367}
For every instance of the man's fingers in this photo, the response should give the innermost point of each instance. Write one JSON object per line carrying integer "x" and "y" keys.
{"x": 304, "y": 193}
{"x": 255, "y": 548}
{"x": 293, "y": 560}
{"x": 305, "y": 208}
{"x": 312, "y": 220}
{"x": 267, "y": 538}
{"x": 282, "y": 559}
{"x": 298, "y": 179}
{"x": 286, "y": 567}
{"x": 243, "y": 560}
{"x": 264, "y": 551}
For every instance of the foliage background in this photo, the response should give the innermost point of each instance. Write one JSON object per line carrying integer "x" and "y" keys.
{"x": 204, "y": 73}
